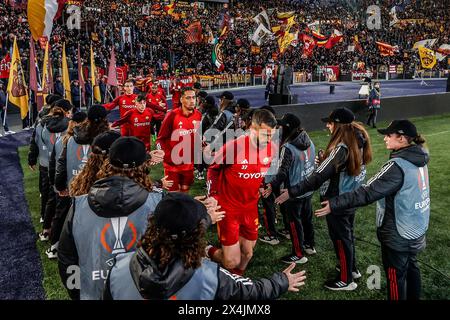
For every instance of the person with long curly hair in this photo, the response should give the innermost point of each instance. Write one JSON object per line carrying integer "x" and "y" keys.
{"x": 108, "y": 220}
{"x": 341, "y": 169}
{"x": 90, "y": 173}
{"x": 169, "y": 262}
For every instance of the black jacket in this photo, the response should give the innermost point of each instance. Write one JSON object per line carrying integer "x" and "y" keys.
{"x": 81, "y": 136}
{"x": 163, "y": 284}
{"x": 329, "y": 169}
{"x": 59, "y": 88}
{"x": 221, "y": 122}
{"x": 386, "y": 184}
{"x": 302, "y": 142}
{"x": 55, "y": 125}
{"x": 109, "y": 198}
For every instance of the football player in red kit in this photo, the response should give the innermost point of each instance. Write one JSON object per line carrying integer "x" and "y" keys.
{"x": 158, "y": 104}
{"x": 178, "y": 135}
{"x": 125, "y": 103}
{"x": 235, "y": 177}
{"x": 138, "y": 121}
{"x": 175, "y": 90}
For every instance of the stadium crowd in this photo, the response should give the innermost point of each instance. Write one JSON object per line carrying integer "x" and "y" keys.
{"x": 159, "y": 41}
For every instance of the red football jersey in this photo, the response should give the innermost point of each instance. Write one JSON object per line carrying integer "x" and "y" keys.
{"x": 237, "y": 184}
{"x": 185, "y": 128}
{"x": 175, "y": 90}
{"x": 124, "y": 102}
{"x": 153, "y": 101}
{"x": 139, "y": 124}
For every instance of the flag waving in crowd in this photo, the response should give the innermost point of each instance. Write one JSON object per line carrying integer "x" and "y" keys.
{"x": 427, "y": 58}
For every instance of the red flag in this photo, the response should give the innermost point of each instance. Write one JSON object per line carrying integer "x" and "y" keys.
{"x": 334, "y": 39}
{"x": 61, "y": 4}
{"x": 122, "y": 73}
{"x": 308, "y": 44}
{"x": 112, "y": 75}
{"x": 80, "y": 75}
{"x": 5, "y": 65}
{"x": 386, "y": 49}
{"x": 33, "y": 74}
{"x": 194, "y": 33}
{"x": 357, "y": 44}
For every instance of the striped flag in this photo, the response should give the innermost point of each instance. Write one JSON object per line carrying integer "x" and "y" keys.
{"x": 95, "y": 88}
{"x": 386, "y": 49}
{"x": 40, "y": 17}
{"x": 112, "y": 74}
{"x": 217, "y": 58}
{"x": 65, "y": 75}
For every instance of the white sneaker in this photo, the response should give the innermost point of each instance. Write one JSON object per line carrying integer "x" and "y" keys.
{"x": 44, "y": 236}
{"x": 310, "y": 250}
{"x": 9, "y": 132}
{"x": 337, "y": 285}
{"x": 355, "y": 274}
{"x": 41, "y": 220}
{"x": 51, "y": 253}
{"x": 270, "y": 240}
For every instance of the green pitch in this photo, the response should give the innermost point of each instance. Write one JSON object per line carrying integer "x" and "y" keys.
{"x": 320, "y": 267}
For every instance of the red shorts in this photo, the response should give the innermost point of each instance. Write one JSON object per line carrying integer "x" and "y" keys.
{"x": 237, "y": 224}
{"x": 180, "y": 178}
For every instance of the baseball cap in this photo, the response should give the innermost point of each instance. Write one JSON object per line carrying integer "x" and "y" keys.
{"x": 127, "y": 153}
{"x": 103, "y": 141}
{"x": 210, "y": 100}
{"x": 243, "y": 103}
{"x": 179, "y": 213}
{"x": 79, "y": 117}
{"x": 402, "y": 127}
{"x": 227, "y": 95}
{"x": 340, "y": 115}
{"x": 96, "y": 113}
{"x": 289, "y": 120}
{"x": 63, "y": 103}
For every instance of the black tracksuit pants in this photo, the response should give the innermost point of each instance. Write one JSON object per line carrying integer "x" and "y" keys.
{"x": 50, "y": 208}
{"x": 299, "y": 218}
{"x": 44, "y": 187}
{"x": 269, "y": 213}
{"x": 372, "y": 118}
{"x": 61, "y": 210}
{"x": 340, "y": 229}
{"x": 402, "y": 274}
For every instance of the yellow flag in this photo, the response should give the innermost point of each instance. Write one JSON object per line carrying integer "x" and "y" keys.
{"x": 95, "y": 87}
{"x": 65, "y": 75}
{"x": 45, "y": 74}
{"x": 290, "y": 22}
{"x": 427, "y": 57}
{"x": 285, "y": 41}
{"x": 17, "y": 90}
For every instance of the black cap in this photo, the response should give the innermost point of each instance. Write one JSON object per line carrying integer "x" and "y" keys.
{"x": 79, "y": 117}
{"x": 202, "y": 94}
{"x": 179, "y": 213}
{"x": 63, "y": 103}
{"x": 52, "y": 98}
{"x": 197, "y": 85}
{"x": 340, "y": 115}
{"x": 290, "y": 121}
{"x": 127, "y": 153}
{"x": 402, "y": 127}
{"x": 103, "y": 141}
{"x": 227, "y": 95}
{"x": 243, "y": 104}
{"x": 210, "y": 100}
{"x": 96, "y": 113}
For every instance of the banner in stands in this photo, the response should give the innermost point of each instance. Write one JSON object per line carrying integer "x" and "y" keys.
{"x": 300, "y": 77}
{"x": 356, "y": 75}
{"x": 330, "y": 70}
{"x": 5, "y": 65}
{"x": 392, "y": 69}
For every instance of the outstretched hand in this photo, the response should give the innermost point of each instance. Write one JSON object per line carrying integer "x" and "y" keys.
{"x": 324, "y": 210}
{"x": 157, "y": 156}
{"x": 296, "y": 280}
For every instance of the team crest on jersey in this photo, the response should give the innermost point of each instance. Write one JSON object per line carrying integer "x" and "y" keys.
{"x": 265, "y": 160}
{"x": 146, "y": 118}
{"x": 194, "y": 122}
{"x": 180, "y": 124}
{"x": 124, "y": 102}
{"x": 136, "y": 119}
